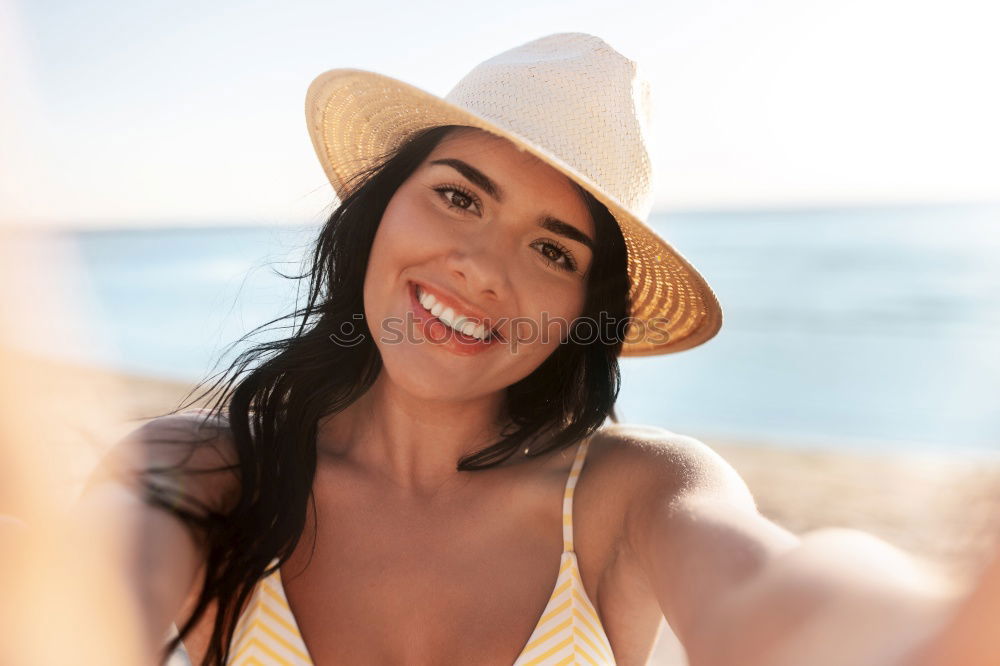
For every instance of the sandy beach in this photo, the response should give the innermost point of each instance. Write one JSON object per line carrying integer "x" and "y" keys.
{"x": 940, "y": 509}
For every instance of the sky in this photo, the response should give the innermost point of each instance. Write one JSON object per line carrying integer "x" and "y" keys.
{"x": 128, "y": 113}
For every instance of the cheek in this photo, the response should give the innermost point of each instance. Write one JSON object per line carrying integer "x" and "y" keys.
{"x": 553, "y": 313}
{"x": 406, "y": 236}
{"x": 409, "y": 226}
{"x": 382, "y": 266}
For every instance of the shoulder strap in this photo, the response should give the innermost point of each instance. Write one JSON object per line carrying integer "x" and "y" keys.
{"x": 574, "y": 474}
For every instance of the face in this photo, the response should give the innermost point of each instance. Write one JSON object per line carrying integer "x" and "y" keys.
{"x": 480, "y": 233}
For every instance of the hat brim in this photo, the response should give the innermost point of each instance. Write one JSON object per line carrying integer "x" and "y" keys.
{"x": 356, "y": 117}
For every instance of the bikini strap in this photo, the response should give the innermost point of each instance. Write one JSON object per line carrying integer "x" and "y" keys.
{"x": 574, "y": 474}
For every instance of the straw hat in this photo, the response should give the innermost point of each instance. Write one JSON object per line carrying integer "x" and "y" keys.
{"x": 570, "y": 100}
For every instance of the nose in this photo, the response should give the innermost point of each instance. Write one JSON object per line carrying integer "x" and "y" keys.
{"x": 482, "y": 264}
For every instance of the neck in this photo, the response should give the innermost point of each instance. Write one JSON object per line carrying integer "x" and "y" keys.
{"x": 409, "y": 441}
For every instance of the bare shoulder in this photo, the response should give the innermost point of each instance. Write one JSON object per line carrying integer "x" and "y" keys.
{"x": 690, "y": 531}
{"x": 663, "y": 480}
{"x": 194, "y": 448}
{"x": 659, "y": 464}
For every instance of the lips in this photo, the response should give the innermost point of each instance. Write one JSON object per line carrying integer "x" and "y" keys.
{"x": 435, "y": 332}
{"x": 464, "y": 312}
{"x": 462, "y": 323}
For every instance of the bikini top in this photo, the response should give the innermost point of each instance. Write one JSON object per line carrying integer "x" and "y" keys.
{"x": 569, "y": 630}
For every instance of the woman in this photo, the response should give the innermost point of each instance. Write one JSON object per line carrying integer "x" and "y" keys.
{"x": 387, "y": 485}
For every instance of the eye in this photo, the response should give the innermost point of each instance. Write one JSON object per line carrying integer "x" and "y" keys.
{"x": 456, "y": 196}
{"x": 557, "y": 255}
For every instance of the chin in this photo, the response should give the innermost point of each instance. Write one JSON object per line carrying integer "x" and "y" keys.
{"x": 426, "y": 377}
{"x": 429, "y": 378}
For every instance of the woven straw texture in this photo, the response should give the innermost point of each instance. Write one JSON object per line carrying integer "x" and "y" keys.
{"x": 569, "y": 99}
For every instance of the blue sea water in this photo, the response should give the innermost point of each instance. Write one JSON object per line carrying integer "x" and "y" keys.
{"x": 872, "y": 328}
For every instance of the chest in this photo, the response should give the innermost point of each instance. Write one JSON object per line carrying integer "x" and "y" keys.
{"x": 376, "y": 580}
{"x": 393, "y": 583}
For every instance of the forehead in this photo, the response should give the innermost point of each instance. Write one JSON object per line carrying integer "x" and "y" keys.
{"x": 526, "y": 178}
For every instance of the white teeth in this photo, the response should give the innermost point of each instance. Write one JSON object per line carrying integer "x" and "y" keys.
{"x": 449, "y": 318}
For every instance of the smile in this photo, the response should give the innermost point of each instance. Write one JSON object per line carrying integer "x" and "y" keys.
{"x": 457, "y": 332}
{"x": 458, "y": 322}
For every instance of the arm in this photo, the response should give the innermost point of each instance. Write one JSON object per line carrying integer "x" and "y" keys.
{"x": 739, "y": 589}
{"x": 160, "y": 558}
{"x": 970, "y": 637}
{"x": 840, "y": 597}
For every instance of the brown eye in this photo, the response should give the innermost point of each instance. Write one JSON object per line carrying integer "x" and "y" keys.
{"x": 458, "y": 198}
{"x": 557, "y": 255}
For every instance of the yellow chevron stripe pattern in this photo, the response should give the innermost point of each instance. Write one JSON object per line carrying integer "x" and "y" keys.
{"x": 569, "y": 630}
{"x": 266, "y": 632}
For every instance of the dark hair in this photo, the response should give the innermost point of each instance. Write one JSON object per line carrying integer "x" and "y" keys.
{"x": 274, "y": 394}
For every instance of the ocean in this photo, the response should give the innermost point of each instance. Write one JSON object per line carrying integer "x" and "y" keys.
{"x": 869, "y": 328}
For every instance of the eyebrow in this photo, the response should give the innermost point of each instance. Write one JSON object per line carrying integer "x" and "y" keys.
{"x": 557, "y": 226}
{"x": 474, "y": 175}
{"x": 485, "y": 183}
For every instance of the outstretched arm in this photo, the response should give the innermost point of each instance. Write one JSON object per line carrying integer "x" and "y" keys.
{"x": 161, "y": 559}
{"x": 739, "y": 589}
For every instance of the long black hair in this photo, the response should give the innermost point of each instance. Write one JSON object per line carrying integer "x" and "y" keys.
{"x": 274, "y": 394}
